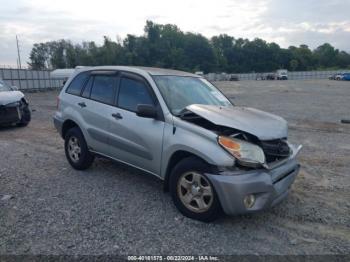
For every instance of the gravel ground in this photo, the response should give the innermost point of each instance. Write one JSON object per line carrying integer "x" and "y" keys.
{"x": 46, "y": 207}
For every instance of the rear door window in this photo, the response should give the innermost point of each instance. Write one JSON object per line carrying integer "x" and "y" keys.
{"x": 103, "y": 88}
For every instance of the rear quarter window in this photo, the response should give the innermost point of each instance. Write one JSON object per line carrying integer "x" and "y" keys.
{"x": 77, "y": 84}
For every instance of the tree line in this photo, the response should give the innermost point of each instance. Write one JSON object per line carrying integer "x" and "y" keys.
{"x": 167, "y": 46}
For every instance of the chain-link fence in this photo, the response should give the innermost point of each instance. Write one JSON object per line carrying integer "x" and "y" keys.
{"x": 28, "y": 80}
{"x": 302, "y": 75}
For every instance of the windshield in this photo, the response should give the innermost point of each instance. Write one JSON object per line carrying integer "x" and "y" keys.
{"x": 4, "y": 86}
{"x": 182, "y": 91}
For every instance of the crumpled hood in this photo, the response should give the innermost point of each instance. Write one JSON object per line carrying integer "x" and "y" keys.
{"x": 7, "y": 97}
{"x": 261, "y": 124}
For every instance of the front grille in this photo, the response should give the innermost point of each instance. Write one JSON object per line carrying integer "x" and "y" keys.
{"x": 8, "y": 114}
{"x": 275, "y": 150}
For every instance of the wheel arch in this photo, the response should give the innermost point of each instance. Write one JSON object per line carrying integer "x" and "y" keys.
{"x": 68, "y": 124}
{"x": 175, "y": 158}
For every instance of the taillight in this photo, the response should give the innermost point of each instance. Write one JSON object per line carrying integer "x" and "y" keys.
{"x": 57, "y": 102}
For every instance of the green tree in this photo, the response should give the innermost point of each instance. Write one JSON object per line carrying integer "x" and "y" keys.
{"x": 343, "y": 59}
{"x": 198, "y": 53}
{"x": 294, "y": 64}
{"x": 326, "y": 55}
{"x": 39, "y": 57}
{"x": 304, "y": 57}
{"x": 167, "y": 46}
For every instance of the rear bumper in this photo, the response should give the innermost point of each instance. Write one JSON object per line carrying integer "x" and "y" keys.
{"x": 58, "y": 122}
{"x": 268, "y": 186}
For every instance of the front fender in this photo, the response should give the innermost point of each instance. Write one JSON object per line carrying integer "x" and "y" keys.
{"x": 194, "y": 140}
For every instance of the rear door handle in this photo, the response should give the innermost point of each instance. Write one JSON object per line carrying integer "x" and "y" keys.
{"x": 82, "y": 104}
{"x": 117, "y": 116}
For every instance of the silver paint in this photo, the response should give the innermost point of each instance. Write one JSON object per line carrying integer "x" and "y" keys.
{"x": 149, "y": 144}
{"x": 263, "y": 125}
{"x": 8, "y": 97}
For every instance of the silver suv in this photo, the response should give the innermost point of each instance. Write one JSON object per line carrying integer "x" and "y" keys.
{"x": 212, "y": 156}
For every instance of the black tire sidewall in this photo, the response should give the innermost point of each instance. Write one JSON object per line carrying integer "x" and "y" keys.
{"x": 26, "y": 116}
{"x": 86, "y": 158}
{"x": 198, "y": 165}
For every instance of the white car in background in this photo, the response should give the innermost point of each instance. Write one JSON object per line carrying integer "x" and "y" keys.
{"x": 282, "y": 74}
{"x": 339, "y": 76}
{"x": 14, "y": 108}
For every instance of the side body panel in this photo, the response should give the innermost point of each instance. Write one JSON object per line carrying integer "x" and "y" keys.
{"x": 93, "y": 119}
{"x": 183, "y": 136}
{"x": 137, "y": 140}
{"x": 153, "y": 141}
{"x": 96, "y": 121}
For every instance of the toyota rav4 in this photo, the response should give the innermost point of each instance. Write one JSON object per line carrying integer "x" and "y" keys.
{"x": 212, "y": 155}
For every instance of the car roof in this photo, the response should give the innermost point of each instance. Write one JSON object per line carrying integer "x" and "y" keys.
{"x": 153, "y": 71}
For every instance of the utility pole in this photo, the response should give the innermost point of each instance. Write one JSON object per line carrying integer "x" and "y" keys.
{"x": 19, "y": 55}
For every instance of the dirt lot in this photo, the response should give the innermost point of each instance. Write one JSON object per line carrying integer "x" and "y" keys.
{"x": 114, "y": 209}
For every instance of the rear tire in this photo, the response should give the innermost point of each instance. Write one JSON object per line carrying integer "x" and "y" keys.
{"x": 76, "y": 149}
{"x": 197, "y": 199}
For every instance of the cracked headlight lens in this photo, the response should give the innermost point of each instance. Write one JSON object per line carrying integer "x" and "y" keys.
{"x": 247, "y": 154}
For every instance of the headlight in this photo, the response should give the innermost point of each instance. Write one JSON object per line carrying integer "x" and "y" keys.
{"x": 247, "y": 154}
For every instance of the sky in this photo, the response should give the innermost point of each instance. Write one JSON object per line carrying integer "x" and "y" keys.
{"x": 286, "y": 22}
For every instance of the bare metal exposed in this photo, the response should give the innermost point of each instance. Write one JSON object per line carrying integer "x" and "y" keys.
{"x": 212, "y": 155}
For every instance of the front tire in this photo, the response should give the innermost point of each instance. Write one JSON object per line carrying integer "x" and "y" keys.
{"x": 192, "y": 192}
{"x": 76, "y": 149}
{"x": 26, "y": 116}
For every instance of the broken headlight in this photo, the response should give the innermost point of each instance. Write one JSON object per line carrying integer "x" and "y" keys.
{"x": 247, "y": 154}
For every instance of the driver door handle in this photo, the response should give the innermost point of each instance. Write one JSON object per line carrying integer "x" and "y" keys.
{"x": 117, "y": 116}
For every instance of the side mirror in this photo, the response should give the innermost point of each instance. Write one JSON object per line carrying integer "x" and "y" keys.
{"x": 14, "y": 88}
{"x": 148, "y": 111}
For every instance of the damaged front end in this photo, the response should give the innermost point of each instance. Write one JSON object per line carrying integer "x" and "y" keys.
{"x": 240, "y": 132}
{"x": 12, "y": 113}
{"x": 265, "y": 164}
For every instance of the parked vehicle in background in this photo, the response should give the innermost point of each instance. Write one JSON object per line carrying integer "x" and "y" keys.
{"x": 64, "y": 74}
{"x": 270, "y": 77}
{"x": 14, "y": 108}
{"x": 260, "y": 77}
{"x": 339, "y": 76}
{"x": 346, "y": 77}
{"x": 282, "y": 74}
{"x": 332, "y": 77}
{"x": 211, "y": 155}
{"x": 233, "y": 78}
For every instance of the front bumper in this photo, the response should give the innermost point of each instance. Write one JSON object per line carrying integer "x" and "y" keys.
{"x": 10, "y": 114}
{"x": 268, "y": 186}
